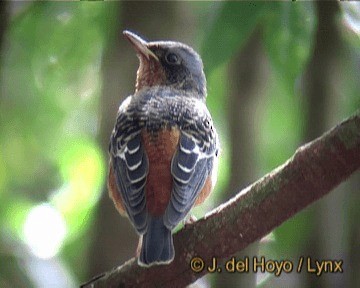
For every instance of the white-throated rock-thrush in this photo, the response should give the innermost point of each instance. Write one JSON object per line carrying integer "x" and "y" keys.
{"x": 164, "y": 147}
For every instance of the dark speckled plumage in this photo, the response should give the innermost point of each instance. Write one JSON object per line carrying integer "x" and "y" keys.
{"x": 164, "y": 146}
{"x": 159, "y": 108}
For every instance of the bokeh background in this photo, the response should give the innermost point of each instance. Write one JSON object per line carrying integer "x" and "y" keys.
{"x": 279, "y": 75}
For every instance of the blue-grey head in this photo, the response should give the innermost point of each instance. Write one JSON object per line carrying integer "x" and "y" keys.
{"x": 168, "y": 63}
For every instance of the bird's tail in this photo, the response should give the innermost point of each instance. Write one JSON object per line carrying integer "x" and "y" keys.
{"x": 157, "y": 243}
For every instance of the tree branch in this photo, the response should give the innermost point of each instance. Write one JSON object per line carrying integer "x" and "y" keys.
{"x": 314, "y": 170}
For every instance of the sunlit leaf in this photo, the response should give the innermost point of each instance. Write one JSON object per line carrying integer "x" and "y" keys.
{"x": 51, "y": 87}
{"x": 230, "y": 28}
{"x": 82, "y": 167}
{"x": 351, "y": 13}
{"x": 350, "y": 32}
{"x": 288, "y": 36}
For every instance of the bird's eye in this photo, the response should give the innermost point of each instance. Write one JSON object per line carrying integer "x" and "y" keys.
{"x": 172, "y": 58}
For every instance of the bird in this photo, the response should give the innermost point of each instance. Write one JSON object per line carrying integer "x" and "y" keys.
{"x": 164, "y": 146}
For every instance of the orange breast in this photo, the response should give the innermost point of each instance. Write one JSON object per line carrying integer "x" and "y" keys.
{"x": 205, "y": 192}
{"x": 160, "y": 149}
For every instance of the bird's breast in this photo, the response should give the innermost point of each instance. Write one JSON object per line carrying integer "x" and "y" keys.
{"x": 160, "y": 148}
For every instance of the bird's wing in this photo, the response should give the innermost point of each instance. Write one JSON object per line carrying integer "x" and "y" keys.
{"x": 192, "y": 164}
{"x": 130, "y": 166}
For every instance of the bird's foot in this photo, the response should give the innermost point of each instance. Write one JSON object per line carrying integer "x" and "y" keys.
{"x": 190, "y": 219}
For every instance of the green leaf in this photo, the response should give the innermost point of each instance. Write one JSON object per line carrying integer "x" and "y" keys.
{"x": 288, "y": 36}
{"x": 229, "y": 30}
{"x": 51, "y": 87}
{"x": 82, "y": 168}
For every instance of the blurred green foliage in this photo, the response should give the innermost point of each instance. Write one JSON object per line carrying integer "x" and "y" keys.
{"x": 50, "y": 92}
{"x": 50, "y": 97}
{"x": 288, "y": 31}
{"x": 288, "y": 37}
{"x": 230, "y": 28}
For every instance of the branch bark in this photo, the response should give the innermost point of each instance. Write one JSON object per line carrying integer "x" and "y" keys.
{"x": 313, "y": 171}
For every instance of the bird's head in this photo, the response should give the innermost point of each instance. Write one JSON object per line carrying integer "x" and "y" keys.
{"x": 168, "y": 63}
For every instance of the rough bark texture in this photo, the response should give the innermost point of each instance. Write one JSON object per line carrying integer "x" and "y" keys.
{"x": 314, "y": 170}
{"x": 322, "y": 79}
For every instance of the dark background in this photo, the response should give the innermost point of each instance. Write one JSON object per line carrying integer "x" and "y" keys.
{"x": 279, "y": 75}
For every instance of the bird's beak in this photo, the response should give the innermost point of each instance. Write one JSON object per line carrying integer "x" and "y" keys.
{"x": 140, "y": 45}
